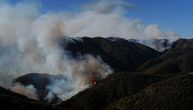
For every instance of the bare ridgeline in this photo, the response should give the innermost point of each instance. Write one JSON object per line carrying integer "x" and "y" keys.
{"x": 46, "y": 63}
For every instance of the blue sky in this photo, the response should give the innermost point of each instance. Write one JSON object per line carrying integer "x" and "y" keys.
{"x": 171, "y": 15}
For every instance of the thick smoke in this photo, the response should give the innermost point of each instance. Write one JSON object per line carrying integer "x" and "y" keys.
{"x": 28, "y": 91}
{"x": 82, "y": 73}
{"x": 29, "y": 41}
{"x": 109, "y": 18}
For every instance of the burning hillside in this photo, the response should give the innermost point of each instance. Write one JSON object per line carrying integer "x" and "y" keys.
{"x": 70, "y": 59}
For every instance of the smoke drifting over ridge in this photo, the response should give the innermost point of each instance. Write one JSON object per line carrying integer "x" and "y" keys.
{"x": 29, "y": 41}
{"x": 28, "y": 91}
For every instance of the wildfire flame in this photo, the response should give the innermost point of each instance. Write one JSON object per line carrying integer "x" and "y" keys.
{"x": 94, "y": 82}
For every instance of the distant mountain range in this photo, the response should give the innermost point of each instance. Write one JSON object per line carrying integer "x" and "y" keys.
{"x": 157, "y": 44}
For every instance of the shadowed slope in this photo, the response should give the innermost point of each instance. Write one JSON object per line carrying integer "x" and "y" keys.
{"x": 116, "y": 86}
{"x": 120, "y": 54}
{"x": 13, "y": 101}
{"x": 172, "y": 94}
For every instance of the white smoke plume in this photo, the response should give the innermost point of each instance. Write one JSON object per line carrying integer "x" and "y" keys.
{"x": 29, "y": 41}
{"x": 28, "y": 91}
{"x": 88, "y": 69}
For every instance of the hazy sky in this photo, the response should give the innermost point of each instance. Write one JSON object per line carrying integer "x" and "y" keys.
{"x": 171, "y": 15}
